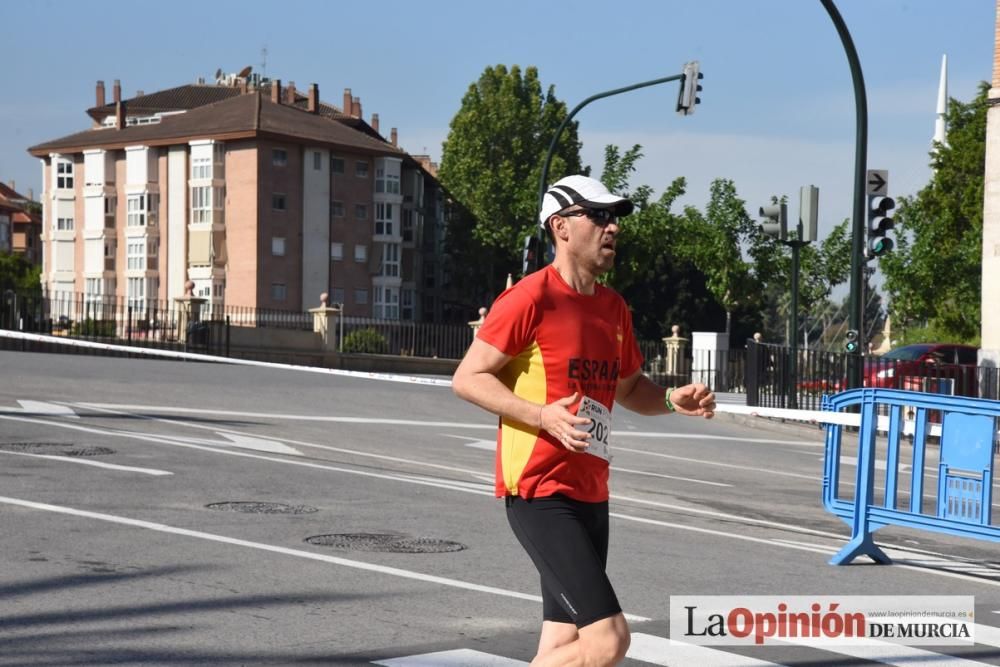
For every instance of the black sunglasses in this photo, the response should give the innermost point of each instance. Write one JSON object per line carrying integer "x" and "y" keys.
{"x": 599, "y": 216}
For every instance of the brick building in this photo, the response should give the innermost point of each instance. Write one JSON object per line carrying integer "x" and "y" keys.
{"x": 261, "y": 195}
{"x": 20, "y": 225}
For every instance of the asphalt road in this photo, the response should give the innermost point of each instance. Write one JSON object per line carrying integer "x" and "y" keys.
{"x": 159, "y": 513}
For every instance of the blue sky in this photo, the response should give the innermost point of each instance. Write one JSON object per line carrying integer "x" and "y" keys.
{"x": 777, "y": 108}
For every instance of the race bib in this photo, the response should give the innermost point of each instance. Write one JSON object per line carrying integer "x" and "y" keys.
{"x": 599, "y": 427}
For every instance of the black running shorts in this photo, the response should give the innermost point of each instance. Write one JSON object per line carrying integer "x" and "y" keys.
{"x": 567, "y": 541}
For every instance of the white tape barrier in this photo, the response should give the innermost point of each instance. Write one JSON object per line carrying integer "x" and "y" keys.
{"x": 192, "y": 356}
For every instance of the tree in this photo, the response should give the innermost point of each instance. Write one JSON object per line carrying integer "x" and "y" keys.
{"x": 19, "y": 275}
{"x": 933, "y": 277}
{"x": 491, "y": 162}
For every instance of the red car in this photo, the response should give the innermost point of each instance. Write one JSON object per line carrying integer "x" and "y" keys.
{"x": 944, "y": 368}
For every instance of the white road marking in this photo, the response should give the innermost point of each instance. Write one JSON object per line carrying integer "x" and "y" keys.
{"x": 488, "y": 445}
{"x": 259, "y": 444}
{"x": 463, "y": 657}
{"x": 898, "y": 654}
{"x": 769, "y": 471}
{"x": 48, "y": 409}
{"x": 663, "y": 476}
{"x": 87, "y": 462}
{"x": 299, "y": 553}
{"x": 663, "y": 651}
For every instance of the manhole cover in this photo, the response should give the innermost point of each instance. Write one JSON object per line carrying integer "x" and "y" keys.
{"x": 55, "y": 448}
{"x": 385, "y": 542}
{"x": 251, "y": 507}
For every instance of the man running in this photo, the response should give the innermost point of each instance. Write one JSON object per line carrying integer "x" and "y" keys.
{"x": 554, "y": 354}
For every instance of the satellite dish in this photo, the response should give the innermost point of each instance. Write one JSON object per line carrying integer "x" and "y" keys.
{"x": 245, "y": 72}
{"x": 218, "y": 74}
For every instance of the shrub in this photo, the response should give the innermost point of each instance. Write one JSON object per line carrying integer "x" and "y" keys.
{"x": 365, "y": 341}
{"x": 91, "y": 327}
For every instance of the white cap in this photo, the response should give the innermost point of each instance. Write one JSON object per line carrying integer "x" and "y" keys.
{"x": 582, "y": 190}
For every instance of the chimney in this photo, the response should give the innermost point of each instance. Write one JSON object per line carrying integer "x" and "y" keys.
{"x": 10, "y": 184}
{"x": 313, "y": 104}
{"x": 31, "y": 194}
{"x": 290, "y": 92}
{"x": 276, "y": 91}
{"x": 375, "y": 122}
{"x": 117, "y": 91}
{"x": 119, "y": 115}
{"x": 392, "y": 136}
{"x": 140, "y": 93}
{"x": 100, "y": 94}
{"x": 356, "y": 107}
{"x": 347, "y": 101}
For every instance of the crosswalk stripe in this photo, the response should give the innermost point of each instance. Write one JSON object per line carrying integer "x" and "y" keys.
{"x": 458, "y": 658}
{"x": 898, "y": 654}
{"x": 662, "y": 651}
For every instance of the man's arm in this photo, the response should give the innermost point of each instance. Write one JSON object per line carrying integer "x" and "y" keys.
{"x": 640, "y": 394}
{"x": 476, "y": 381}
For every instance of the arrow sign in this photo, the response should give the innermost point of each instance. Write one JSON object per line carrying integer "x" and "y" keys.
{"x": 877, "y": 181}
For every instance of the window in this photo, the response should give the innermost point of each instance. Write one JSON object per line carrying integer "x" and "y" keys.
{"x": 408, "y": 224}
{"x": 360, "y": 253}
{"x": 390, "y": 260}
{"x": 386, "y": 303}
{"x": 361, "y": 169}
{"x": 278, "y": 201}
{"x": 136, "y": 294}
{"x": 317, "y": 160}
{"x": 201, "y": 204}
{"x": 201, "y": 167}
{"x": 64, "y": 175}
{"x": 141, "y": 210}
{"x": 109, "y": 249}
{"x": 388, "y": 183}
{"x": 64, "y": 224}
{"x": 279, "y": 157}
{"x": 337, "y": 165}
{"x": 337, "y": 295}
{"x": 337, "y": 209}
{"x": 361, "y": 211}
{"x": 361, "y": 297}
{"x": 153, "y": 247}
{"x": 136, "y": 254}
{"x": 218, "y": 289}
{"x": 109, "y": 207}
{"x": 279, "y": 291}
{"x": 278, "y": 246}
{"x": 383, "y": 219}
{"x": 407, "y": 304}
{"x": 337, "y": 251}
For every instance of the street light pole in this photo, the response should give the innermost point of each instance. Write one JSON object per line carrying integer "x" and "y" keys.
{"x": 543, "y": 181}
{"x": 856, "y": 317}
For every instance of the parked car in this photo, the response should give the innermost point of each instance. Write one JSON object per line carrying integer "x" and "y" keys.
{"x": 944, "y": 368}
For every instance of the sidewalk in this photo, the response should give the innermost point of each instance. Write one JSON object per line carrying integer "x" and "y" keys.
{"x": 786, "y": 426}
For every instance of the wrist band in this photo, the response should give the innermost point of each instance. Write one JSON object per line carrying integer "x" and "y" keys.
{"x": 666, "y": 400}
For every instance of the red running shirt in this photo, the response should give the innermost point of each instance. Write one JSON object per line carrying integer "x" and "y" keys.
{"x": 561, "y": 342}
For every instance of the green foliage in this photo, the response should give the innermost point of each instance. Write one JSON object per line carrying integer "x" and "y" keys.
{"x": 17, "y": 274}
{"x": 92, "y": 327}
{"x": 365, "y": 341}
{"x": 934, "y": 275}
{"x": 492, "y": 160}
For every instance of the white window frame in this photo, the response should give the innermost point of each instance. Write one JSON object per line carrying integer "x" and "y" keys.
{"x": 337, "y": 209}
{"x": 361, "y": 169}
{"x": 65, "y": 224}
{"x": 337, "y": 165}
{"x": 201, "y": 168}
{"x": 135, "y": 255}
{"x": 361, "y": 297}
{"x": 279, "y": 292}
{"x": 390, "y": 261}
{"x": 64, "y": 174}
{"x": 360, "y": 253}
{"x": 383, "y": 219}
{"x": 336, "y": 251}
{"x": 279, "y": 157}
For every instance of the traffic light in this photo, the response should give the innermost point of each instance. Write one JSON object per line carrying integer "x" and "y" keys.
{"x": 851, "y": 343}
{"x": 777, "y": 221}
{"x": 879, "y": 223}
{"x": 687, "y": 98}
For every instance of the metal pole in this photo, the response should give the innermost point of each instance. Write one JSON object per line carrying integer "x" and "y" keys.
{"x": 543, "y": 181}
{"x": 793, "y": 364}
{"x": 856, "y": 317}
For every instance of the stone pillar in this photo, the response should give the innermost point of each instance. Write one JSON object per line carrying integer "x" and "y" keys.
{"x": 475, "y": 324}
{"x": 188, "y": 310}
{"x": 675, "y": 348}
{"x": 325, "y": 320}
{"x": 710, "y": 359}
{"x": 989, "y": 355}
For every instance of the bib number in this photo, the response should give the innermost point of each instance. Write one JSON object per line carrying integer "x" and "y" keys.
{"x": 599, "y": 427}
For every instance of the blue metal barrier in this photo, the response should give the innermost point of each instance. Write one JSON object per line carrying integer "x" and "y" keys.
{"x": 963, "y": 495}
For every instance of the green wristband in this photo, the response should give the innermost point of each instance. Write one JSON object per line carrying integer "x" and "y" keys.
{"x": 666, "y": 400}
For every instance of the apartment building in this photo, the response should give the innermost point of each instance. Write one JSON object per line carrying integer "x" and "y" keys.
{"x": 260, "y": 195}
{"x": 20, "y": 226}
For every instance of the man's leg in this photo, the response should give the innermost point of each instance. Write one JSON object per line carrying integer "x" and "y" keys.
{"x": 603, "y": 643}
{"x": 554, "y": 635}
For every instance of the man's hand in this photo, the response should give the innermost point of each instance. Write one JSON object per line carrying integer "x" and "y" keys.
{"x": 693, "y": 400}
{"x": 561, "y": 424}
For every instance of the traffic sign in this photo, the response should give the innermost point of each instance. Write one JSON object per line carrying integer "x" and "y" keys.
{"x": 877, "y": 182}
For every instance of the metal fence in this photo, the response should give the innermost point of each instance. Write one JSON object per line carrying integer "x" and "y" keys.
{"x": 722, "y": 370}
{"x": 770, "y": 382}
